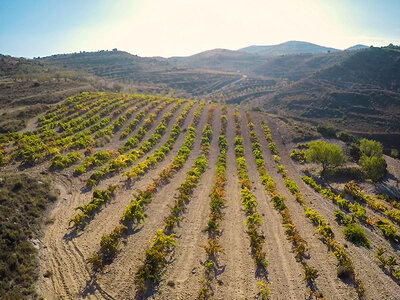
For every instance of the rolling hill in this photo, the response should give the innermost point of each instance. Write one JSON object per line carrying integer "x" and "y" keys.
{"x": 297, "y": 66}
{"x": 221, "y": 60}
{"x": 145, "y": 75}
{"x": 360, "y": 93}
{"x": 28, "y": 87}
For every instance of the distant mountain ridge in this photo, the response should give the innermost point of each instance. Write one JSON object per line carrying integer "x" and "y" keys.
{"x": 356, "y": 47}
{"x": 290, "y": 47}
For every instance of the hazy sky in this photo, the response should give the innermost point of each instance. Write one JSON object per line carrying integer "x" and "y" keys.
{"x": 184, "y": 27}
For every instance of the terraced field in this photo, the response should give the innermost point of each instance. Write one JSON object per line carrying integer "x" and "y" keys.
{"x": 166, "y": 198}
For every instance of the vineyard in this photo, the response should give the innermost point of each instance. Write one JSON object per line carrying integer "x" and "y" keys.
{"x": 167, "y": 198}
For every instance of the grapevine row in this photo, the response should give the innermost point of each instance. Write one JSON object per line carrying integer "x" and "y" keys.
{"x": 123, "y": 161}
{"x": 358, "y": 194}
{"x": 217, "y": 202}
{"x": 357, "y": 212}
{"x": 99, "y": 158}
{"x": 83, "y": 217}
{"x": 299, "y": 244}
{"x": 249, "y": 204}
{"x": 156, "y": 256}
{"x": 345, "y": 265}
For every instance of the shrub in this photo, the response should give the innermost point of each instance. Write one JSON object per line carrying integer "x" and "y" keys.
{"x": 282, "y": 170}
{"x": 276, "y": 158}
{"x": 272, "y": 147}
{"x": 358, "y": 211}
{"x": 396, "y": 275}
{"x": 346, "y": 137}
{"x": 109, "y": 242}
{"x": 379, "y": 254}
{"x": 2, "y": 158}
{"x": 279, "y": 202}
{"x": 356, "y": 235}
{"x": 374, "y": 167}
{"x": 371, "y": 148}
{"x": 133, "y": 212}
{"x": 314, "y": 216}
{"x": 372, "y": 160}
{"x": 96, "y": 260}
{"x": 344, "y": 271}
{"x": 327, "y": 131}
{"x": 394, "y": 153}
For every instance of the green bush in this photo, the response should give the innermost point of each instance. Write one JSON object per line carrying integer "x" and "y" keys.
{"x": 356, "y": 235}
{"x": 374, "y": 167}
{"x": 394, "y": 153}
{"x": 346, "y": 137}
{"x": 371, "y": 160}
{"x": 327, "y": 131}
{"x": 371, "y": 148}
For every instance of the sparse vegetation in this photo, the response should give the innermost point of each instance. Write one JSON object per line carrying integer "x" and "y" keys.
{"x": 23, "y": 201}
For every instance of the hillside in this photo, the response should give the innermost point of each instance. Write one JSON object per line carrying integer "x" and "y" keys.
{"x": 145, "y": 75}
{"x": 221, "y": 60}
{"x": 290, "y": 47}
{"x": 360, "y": 94}
{"x": 298, "y": 66}
{"x": 28, "y": 87}
{"x": 184, "y": 199}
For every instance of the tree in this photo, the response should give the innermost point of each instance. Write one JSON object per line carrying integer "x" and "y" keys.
{"x": 371, "y": 160}
{"x": 326, "y": 154}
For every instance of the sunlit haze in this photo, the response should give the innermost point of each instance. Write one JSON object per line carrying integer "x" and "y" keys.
{"x": 183, "y": 27}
